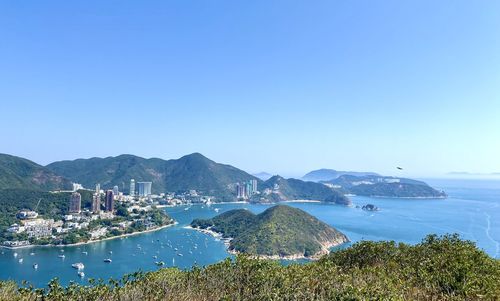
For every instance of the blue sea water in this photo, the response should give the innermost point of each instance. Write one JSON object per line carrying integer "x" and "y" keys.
{"x": 472, "y": 210}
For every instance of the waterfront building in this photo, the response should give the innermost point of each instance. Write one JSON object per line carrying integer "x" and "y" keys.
{"x": 240, "y": 191}
{"x": 98, "y": 188}
{"x": 132, "y": 187}
{"x": 254, "y": 186}
{"x": 144, "y": 188}
{"x": 110, "y": 201}
{"x": 96, "y": 203}
{"x": 75, "y": 203}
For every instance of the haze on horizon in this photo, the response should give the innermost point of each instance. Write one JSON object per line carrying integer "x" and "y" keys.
{"x": 277, "y": 86}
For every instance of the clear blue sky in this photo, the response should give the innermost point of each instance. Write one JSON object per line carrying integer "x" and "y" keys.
{"x": 278, "y": 86}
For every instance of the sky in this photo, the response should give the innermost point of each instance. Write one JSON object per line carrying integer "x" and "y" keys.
{"x": 279, "y": 86}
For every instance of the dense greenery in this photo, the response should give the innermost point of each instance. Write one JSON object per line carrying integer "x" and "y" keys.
{"x": 189, "y": 172}
{"x": 382, "y": 187}
{"x": 278, "y": 231}
{"x": 293, "y": 189}
{"x": 439, "y": 268}
{"x": 20, "y": 173}
{"x": 330, "y": 174}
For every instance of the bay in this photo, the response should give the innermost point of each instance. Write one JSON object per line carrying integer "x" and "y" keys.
{"x": 472, "y": 210}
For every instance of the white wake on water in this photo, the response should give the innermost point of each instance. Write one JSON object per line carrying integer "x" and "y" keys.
{"x": 488, "y": 224}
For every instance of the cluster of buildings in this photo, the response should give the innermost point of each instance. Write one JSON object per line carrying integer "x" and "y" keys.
{"x": 246, "y": 190}
{"x": 144, "y": 188}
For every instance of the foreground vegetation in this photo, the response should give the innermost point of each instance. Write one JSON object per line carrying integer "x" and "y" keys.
{"x": 439, "y": 268}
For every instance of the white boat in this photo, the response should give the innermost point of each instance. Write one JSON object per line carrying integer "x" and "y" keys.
{"x": 110, "y": 252}
{"x": 81, "y": 274}
{"x": 61, "y": 256}
{"x": 217, "y": 209}
{"x": 78, "y": 266}
{"x": 15, "y": 254}
{"x": 108, "y": 260}
{"x": 32, "y": 254}
{"x": 21, "y": 260}
{"x": 155, "y": 257}
{"x": 180, "y": 254}
{"x": 35, "y": 266}
{"x": 85, "y": 252}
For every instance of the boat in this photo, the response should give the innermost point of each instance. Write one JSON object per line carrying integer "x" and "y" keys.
{"x": 155, "y": 257}
{"x": 15, "y": 254}
{"x": 81, "y": 274}
{"x": 108, "y": 260}
{"x": 85, "y": 252}
{"x": 78, "y": 266}
{"x": 160, "y": 263}
{"x": 61, "y": 256}
{"x": 21, "y": 260}
{"x": 217, "y": 210}
{"x": 32, "y": 254}
{"x": 35, "y": 266}
{"x": 110, "y": 252}
{"x": 180, "y": 254}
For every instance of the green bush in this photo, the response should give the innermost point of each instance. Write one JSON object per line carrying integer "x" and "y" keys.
{"x": 439, "y": 268}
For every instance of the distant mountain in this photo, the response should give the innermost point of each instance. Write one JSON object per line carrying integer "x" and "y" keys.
{"x": 193, "y": 171}
{"x": 379, "y": 186}
{"x": 264, "y": 176}
{"x": 280, "y": 189}
{"x": 280, "y": 231}
{"x": 20, "y": 173}
{"x": 330, "y": 174}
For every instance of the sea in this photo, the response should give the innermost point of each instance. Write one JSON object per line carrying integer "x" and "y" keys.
{"x": 472, "y": 210}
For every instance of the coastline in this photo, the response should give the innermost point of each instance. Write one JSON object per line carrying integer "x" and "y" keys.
{"x": 300, "y": 201}
{"x": 91, "y": 241}
{"x": 324, "y": 250}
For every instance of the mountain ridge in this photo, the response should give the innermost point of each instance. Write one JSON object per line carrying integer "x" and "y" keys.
{"x": 17, "y": 172}
{"x": 189, "y": 172}
{"x": 325, "y": 174}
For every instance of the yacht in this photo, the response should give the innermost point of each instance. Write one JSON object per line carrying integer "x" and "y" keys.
{"x": 61, "y": 256}
{"x": 15, "y": 254}
{"x": 21, "y": 260}
{"x": 81, "y": 274}
{"x": 35, "y": 266}
{"x": 78, "y": 266}
{"x": 108, "y": 260}
{"x": 85, "y": 253}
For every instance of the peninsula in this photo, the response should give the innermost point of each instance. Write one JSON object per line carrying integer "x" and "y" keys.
{"x": 280, "y": 232}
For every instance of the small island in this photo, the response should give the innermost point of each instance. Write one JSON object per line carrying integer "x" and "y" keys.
{"x": 280, "y": 232}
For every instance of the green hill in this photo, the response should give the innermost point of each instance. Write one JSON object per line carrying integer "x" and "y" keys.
{"x": 280, "y": 189}
{"x": 280, "y": 231}
{"x": 19, "y": 173}
{"x": 378, "y": 186}
{"x": 193, "y": 171}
